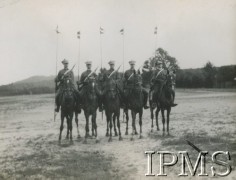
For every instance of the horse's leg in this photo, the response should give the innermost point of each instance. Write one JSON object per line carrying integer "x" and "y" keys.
{"x": 77, "y": 124}
{"x": 61, "y": 127}
{"x": 168, "y": 119}
{"x": 152, "y": 116}
{"x": 110, "y": 124}
{"x": 71, "y": 127}
{"x": 95, "y": 125}
{"x": 114, "y": 123}
{"x": 93, "y": 128}
{"x": 86, "y": 127}
{"x": 127, "y": 121}
{"x": 133, "y": 124}
{"x": 107, "y": 133}
{"x": 68, "y": 126}
{"x": 118, "y": 124}
{"x": 163, "y": 121}
{"x": 157, "y": 113}
{"x": 140, "y": 122}
{"x": 135, "y": 130}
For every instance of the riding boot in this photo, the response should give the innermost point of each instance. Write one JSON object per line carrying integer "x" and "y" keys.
{"x": 173, "y": 99}
{"x": 152, "y": 104}
{"x": 57, "y": 102}
{"x": 145, "y": 94}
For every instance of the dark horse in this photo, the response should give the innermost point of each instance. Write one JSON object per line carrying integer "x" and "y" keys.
{"x": 68, "y": 105}
{"x": 89, "y": 100}
{"x": 111, "y": 101}
{"x": 163, "y": 103}
{"x": 135, "y": 101}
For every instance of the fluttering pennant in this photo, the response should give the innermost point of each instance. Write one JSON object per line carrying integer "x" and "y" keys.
{"x": 78, "y": 34}
{"x": 101, "y": 30}
{"x": 155, "y": 30}
{"x": 57, "y": 31}
{"x": 122, "y": 31}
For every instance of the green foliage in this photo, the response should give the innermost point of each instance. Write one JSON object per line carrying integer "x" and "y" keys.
{"x": 164, "y": 55}
{"x": 207, "y": 77}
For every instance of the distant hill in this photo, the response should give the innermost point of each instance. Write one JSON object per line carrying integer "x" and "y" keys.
{"x": 31, "y": 85}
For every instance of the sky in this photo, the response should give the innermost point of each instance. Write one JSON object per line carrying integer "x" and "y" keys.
{"x": 192, "y": 31}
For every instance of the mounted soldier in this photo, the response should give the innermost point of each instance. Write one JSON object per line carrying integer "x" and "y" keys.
{"x": 130, "y": 82}
{"x": 63, "y": 76}
{"x": 159, "y": 78}
{"x": 113, "y": 76}
{"x": 112, "y": 98}
{"x": 86, "y": 76}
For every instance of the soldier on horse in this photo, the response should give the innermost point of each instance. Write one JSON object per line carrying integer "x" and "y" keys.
{"x": 63, "y": 76}
{"x": 86, "y": 76}
{"x": 159, "y": 78}
{"x": 130, "y": 82}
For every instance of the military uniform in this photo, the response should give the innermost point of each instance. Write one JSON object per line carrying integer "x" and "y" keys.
{"x": 159, "y": 78}
{"x": 112, "y": 81}
{"x": 132, "y": 80}
{"x": 60, "y": 81}
{"x": 84, "y": 80}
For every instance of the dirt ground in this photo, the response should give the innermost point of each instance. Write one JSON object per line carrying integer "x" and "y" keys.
{"x": 29, "y": 147}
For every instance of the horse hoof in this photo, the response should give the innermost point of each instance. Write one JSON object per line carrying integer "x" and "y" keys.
{"x": 67, "y": 137}
{"x": 131, "y": 139}
{"x": 78, "y": 136}
{"x": 107, "y": 134}
{"x": 85, "y": 142}
{"x": 97, "y": 140}
{"x": 120, "y": 138}
{"x": 158, "y": 129}
{"x": 110, "y": 140}
{"x": 116, "y": 134}
{"x": 140, "y": 137}
{"x": 136, "y": 133}
{"x": 126, "y": 133}
{"x": 151, "y": 130}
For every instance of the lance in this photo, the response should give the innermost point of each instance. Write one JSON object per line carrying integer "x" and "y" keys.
{"x": 114, "y": 71}
{"x": 69, "y": 70}
{"x": 78, "y": 36}
{"x": 57, "y": 31}
{"x": 133, "y": 73}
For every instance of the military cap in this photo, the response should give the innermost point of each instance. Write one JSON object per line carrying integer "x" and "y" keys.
{"x": 132, "y": 62}
{"x": 64, "y": 61}
{"x": 111, "y": 62}
{"x": 146, "y": 62}
{"x": 158, "y": 63}
{"x": 88, "y": 62}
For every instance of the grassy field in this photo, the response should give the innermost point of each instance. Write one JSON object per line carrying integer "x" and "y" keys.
{"x": 29, "y": 147}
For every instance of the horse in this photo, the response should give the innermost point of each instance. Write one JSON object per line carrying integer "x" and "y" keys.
{"x": 163, "y": 103}
{"x": 111, "y": 101}
{"x": 68, "y": 104}
{"x": 89, "y": 105}
{"x": 135, "y": 104}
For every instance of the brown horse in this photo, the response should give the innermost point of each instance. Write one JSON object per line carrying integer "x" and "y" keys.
{"x": 135, "y": 102}
{"x": 163, "y": 103}
{"x": 89, "y": 99}
{"x": 111, "y": 101}
{"x": 68, "y": 105}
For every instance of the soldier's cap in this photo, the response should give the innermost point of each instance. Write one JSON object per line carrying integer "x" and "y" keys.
{"x": 111, "y": 62}
{"x": 132, "y": 62}
{"x": 158, "y": 63}
{"x": 146, "y": 62}
{"x": 88, "y": 62}
{"x": 65, "y": 61}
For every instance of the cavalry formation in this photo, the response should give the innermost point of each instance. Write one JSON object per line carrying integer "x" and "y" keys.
{"x": 110, "y": 91}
